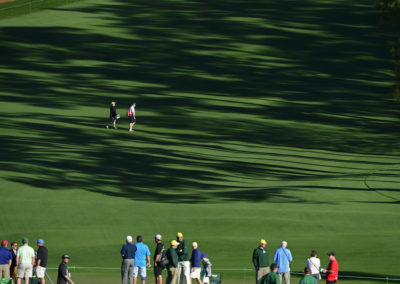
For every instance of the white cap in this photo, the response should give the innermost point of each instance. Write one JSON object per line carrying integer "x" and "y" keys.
{"x": 129, "y": 239}
{"x": 194, "y": 244}
{"x": 284, "y": 244}
{"x": 158, "y": 237}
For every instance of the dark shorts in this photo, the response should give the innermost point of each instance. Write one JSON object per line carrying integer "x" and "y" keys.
{"x": 132, "y": 120}
{"x": 158, "y": 270}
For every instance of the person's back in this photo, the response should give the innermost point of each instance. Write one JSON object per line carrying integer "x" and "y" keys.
{"x": 172, "y": 258}
{"x": 308, "y": 279}
{"x": 142, "y": 251}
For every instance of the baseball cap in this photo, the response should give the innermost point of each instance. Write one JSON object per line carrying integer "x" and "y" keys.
{"x": 25, "y": 239}
{"x": 65, "y": 256}
{"x": 331, "y": 253}
{"x": 4, "y": 243}
{"x": 204, "y": 255}
{"x": 262, "y": 241}
{"x": 129, "y": 238}
{"x": 40, "y": 241}
{"x": 173, "y": 243}
{"x": 158, "y": 237}
{"x": 179, "y": 235}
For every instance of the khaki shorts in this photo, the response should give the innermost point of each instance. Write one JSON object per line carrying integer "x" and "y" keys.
{"x": 24, "y": 270}
{"x": 40, "y": 271}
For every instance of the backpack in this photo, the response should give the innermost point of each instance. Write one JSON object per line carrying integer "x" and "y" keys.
{"x": 163, "y": 260}
{"x": 128, "y": 113}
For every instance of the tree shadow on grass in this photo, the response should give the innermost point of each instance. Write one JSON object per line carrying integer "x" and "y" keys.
{"x": 308, "y": 75}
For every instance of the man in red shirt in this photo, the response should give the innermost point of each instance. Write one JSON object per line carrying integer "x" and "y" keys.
{"x": 332, "y": 271}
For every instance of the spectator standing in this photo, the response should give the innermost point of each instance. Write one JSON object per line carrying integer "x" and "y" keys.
{"x": 283, "y": 258}
{"x": 308, "y": 278}
{"x": 25, "y": 261}
{"x": 5, "y": 260}
{"x": 332, "y": 271}
{"x": 172, "y": 265}
{"x": 206, "y": 268}
{"x": 128, "y": 255}
{"x": 195, "y": 260}
{"x": 41, "y": 260}
{"x": 272, "y": 277}
{"x": 158, "y": 267}
{"x": 132, "y": 116}
{"x": 113, "y": 115}
{"x": 142, "y": 259}
{"x": 63, "y": 276}
{"x": 13, "y": 267}
{"x": 314, "y": 264}
{"x": 261, "y": 261}
{"x": 183, "y": 257}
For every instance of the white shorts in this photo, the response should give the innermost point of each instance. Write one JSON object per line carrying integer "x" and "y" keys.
{"x": 206, "y": 279}
{"x": 195, "y": 272}
{"x": 40, "y": 271}
{"x": 141, "y": 271}
{"x": 24, "y": 270}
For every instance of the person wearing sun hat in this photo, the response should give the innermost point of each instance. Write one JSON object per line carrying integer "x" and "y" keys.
{"x": 41, "y": 260}
{"x": 5, "y": 260}
{"x": 261, "y": 260}
{"x": 128, "y": 252}
{"x": 63, "y": 276}
{"x": 172, "y": 257}
{"x": 25, "y": 261}
{"x": 183, "y": 256}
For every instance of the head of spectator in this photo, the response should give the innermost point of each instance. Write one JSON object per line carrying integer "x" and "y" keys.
{"x": 129, "y": 239}
{"x": 274, "y": 267}
{"x": 194, "y": 245}
{"x": 25, "y": 240}
{"x": 263, "y": 243}
{"x": 134, "y": 104}
{"x": 139, "y": 239}
{"x": 307, "y": 271}
{"x": 40, "y": 242}
{"x": 65, "y": 258}
{"x": 284, "y": 244}
{"x": 158, "y": 238}
{"x": 313, "y": 253}
{"x": 14, "y": 246}
{"x": 331, "y": 255}
{"x": 174, "y": 244}
{"x": 204, "y": 256}
{"x": 113, "y": 104}
{"x": 4, "y": 243}
{"x": 179, "y": 237}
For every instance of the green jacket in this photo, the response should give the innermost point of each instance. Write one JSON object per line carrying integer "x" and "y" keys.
{"x": 184, "y": 254}
{"x": 308, "y": 279}
{"x": 260, "y": 258}
{"x": 172, "y": 257}
{"x": 271, "y": 278}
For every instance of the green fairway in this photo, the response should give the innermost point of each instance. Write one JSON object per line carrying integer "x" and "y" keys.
{"x": 255, "y": 119}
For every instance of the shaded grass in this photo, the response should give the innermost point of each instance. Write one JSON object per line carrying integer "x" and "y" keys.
{"x": 255, "y": 120}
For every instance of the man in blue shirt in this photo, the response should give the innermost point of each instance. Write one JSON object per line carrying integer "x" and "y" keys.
{"x": 128, "y": 255}
{"x": 142, "y": 259}
{"x": 5, "y": 260}
{"x": 283, "y": 257}
{"x": 195, "y": 260}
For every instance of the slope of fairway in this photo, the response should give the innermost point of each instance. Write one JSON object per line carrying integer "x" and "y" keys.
{"x": 255, "y": 119}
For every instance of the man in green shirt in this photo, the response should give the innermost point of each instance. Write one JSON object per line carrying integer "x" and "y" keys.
{"x": 183, "y": 263}
{"x": 272, "y": 277}
{"x": 172, "y": 263}
{"x": 260, "y": 261}
{"x": 308, "y": 278}
{"x": 25, "y": 261}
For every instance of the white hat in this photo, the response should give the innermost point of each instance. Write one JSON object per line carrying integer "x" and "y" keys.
{"x": 129, "y": 238}
{"x": 158, "y": 237}
{"x": 194, "y": 244}
{"x": 284, "y": 244}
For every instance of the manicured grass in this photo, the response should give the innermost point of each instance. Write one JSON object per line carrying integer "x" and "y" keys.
{"x": 255, "y": 120}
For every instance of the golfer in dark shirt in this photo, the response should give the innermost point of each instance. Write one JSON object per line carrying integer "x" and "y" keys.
{"x": 128, "y": 252}
{"x": 63, "y": 274}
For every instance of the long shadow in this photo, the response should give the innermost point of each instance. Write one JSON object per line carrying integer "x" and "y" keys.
{"x": 309, "y": 75}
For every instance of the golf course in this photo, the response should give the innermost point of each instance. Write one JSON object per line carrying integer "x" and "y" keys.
{"x": 255, "y": 120}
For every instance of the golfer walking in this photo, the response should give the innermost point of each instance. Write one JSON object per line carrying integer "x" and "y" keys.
{"x": 132, "y": 116}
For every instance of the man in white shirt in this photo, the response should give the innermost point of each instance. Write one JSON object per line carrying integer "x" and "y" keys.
{"x": 314, "y": 264}
{"x": 132, "y": 116}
